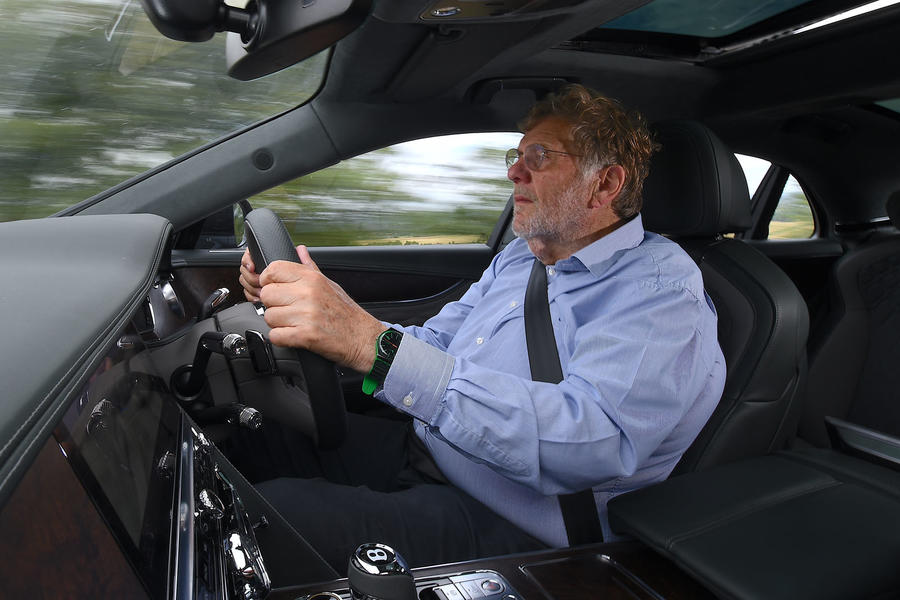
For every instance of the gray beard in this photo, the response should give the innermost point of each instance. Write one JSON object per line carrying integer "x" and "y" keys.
{"x": 558, "y": 224}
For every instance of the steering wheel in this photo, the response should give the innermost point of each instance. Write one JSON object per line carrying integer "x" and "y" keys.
{"x": 268, "y": 241}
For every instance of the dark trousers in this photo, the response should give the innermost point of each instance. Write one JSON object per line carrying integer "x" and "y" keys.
{"x": 377, "y": 487}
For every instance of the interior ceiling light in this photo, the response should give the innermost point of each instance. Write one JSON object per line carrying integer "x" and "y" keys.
{"x": 859, "y": 10}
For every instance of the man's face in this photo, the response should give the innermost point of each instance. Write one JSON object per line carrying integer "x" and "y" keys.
{"x": 551, "y": 202}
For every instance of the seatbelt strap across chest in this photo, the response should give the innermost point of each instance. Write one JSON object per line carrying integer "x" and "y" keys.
{"x": 579, "y": 510}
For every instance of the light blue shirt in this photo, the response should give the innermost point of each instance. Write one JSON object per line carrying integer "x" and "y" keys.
{"x": 643, "y": 371}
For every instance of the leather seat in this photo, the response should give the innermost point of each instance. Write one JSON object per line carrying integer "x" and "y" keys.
{"x": 854, "y": 354}
{"x": 825, "y": 523}
{"x": 808, "y": 523}
{"x": 695, "y": 193}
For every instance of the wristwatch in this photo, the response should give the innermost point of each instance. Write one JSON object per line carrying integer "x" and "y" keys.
{"x": 386, "y": 345}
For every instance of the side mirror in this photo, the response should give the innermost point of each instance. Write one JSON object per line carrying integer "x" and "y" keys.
{"x": 264, "y": 37}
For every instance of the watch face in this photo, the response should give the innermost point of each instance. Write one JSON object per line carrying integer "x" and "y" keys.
{"x": 388, "y": 342}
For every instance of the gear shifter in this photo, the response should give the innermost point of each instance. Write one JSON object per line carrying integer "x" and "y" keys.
{"x": 376, "y": 572}
{"x": 212, "y": 303}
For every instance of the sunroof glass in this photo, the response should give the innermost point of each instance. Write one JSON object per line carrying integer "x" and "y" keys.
{"x": 701, "y": 18}
{"x": 893, "y": 105}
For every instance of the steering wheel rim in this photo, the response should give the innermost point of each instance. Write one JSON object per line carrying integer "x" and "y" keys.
{"x": 268, "y": 240}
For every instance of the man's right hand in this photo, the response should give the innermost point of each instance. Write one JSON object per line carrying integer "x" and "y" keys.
{"x": 305, "y": 309}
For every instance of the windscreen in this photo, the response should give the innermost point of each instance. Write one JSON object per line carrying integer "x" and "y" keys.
{"x": 91, "y": 94}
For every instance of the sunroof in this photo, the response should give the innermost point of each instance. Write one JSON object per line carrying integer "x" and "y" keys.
{"x": 701, "y": 18}
{"x": 893, "y": 104}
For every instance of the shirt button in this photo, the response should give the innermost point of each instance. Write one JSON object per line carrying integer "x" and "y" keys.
{"x": 551, "y": 271}
{"x": 513, "y": 304}
{"x": 407, "y": 400}
{"x": 479, "y": 341}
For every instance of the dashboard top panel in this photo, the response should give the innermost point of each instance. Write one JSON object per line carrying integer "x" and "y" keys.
{"x": 70, "y": 284}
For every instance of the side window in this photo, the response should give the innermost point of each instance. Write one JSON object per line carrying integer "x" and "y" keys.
{"x": 755, "y": 170}
{"x": 443, "y": 190}
{"x": 792, "y": 217}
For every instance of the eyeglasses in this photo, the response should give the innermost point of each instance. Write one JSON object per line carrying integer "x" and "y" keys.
{"x": 534, "y": 156}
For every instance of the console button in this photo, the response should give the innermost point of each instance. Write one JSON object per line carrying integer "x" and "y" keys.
{"x": 451, "y": 592}
{"x": 471, "y": 588}
{"x": 492, "y": 586}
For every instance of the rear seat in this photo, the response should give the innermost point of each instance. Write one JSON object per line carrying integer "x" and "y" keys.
{"x": 853, "y": 355}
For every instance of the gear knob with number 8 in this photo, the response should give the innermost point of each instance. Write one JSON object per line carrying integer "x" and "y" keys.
{"x": 376, "y": 572}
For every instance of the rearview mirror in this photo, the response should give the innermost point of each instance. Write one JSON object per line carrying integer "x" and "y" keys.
{"x": 264, "y": 37}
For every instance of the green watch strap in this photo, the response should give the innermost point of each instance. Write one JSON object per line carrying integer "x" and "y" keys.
{"x": 369, "y": 384}
{"x": 386, "y": 345}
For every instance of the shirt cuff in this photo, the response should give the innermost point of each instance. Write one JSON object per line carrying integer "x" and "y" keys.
{"x": 417, "y": 379}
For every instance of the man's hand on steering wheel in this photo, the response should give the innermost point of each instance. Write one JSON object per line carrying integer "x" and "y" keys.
{"x": 307, "y": 310}
{"x": 249, "y": 278}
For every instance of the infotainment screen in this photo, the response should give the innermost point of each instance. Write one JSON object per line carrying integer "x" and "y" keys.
{"x": 121, "y": 436}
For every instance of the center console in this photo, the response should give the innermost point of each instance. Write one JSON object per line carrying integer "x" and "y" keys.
{"x": 609, "y": 571}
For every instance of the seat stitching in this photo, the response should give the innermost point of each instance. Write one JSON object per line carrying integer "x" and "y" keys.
{"x": 751, "y": 509}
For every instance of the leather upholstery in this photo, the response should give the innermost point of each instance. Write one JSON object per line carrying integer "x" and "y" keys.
{"x": 696, "y": 187}
{"x": 807, "y": 523}
{"x": 73, "y": 284}
{"x": 695, "y": 192}
{"x": 799, "y": 524}
{"x": 853, "y": 357}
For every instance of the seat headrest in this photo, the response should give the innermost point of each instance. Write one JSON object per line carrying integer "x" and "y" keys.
{"x": 696, "y": 186}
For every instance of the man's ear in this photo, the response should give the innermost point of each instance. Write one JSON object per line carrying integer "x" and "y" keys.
{"x": 608, "y": 183}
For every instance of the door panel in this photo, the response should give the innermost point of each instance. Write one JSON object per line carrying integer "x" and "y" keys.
{"x": 404, "y": 284}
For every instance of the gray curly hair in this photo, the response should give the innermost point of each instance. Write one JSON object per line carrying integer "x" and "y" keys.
{"x": 603, "y": 133}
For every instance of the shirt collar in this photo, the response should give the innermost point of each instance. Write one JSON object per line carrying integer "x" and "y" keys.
{"x": 592, "y": 256}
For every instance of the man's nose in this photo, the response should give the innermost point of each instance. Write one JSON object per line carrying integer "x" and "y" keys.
{"x": 519, "y": 172}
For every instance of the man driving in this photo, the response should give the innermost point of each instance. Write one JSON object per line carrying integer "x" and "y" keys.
{"x": 496, "y": 455}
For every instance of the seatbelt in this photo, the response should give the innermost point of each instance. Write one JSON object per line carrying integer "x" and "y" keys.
{"x": 579, "y": 510}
